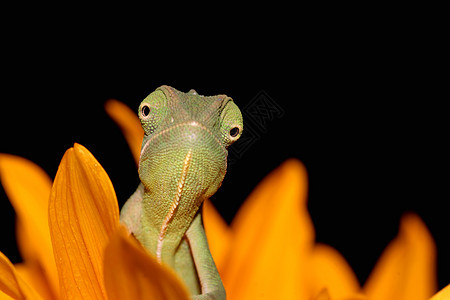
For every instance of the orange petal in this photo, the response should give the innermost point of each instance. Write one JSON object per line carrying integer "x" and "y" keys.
{"x": 355, "y": 297}
{"x": 407, "y": 268}
{"x": 218, "y": 234}
{"x": 83, "y": 215}
{"x": 272, "y": 237}
{"x": 33, "y": 274}
{"x": 323, "y": 295}
{"x": 4, "y": 296}
{"x": 12, "y": 284}
{"x": 129, "y": 123}
{"x": 131, "y": 273}
{"x": 28, "y": 189}
{"x": 443, "y": 294}
{"x": 331, "y": 271}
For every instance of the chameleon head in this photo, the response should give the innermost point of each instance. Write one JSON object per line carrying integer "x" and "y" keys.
{"x": 184, "y": 153}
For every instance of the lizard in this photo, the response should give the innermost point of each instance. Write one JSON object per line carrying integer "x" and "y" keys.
{"x": 183, "y": 161}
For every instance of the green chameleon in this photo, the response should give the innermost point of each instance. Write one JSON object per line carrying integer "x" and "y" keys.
{"x": 183, "y": 161}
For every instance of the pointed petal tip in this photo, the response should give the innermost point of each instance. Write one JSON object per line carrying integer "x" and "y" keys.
{"x": 331, "y": 270}
{"x": 114, "y": 108}
{"x": 81, "y": 152}
{"x": 407, "y": 267}
{"x": 129, "y": 123}
{"x": 112, "y": 104}
{"x": 416, "y": 231}
{"x": 293, "y": 171}
{"x": 83, "y": 214}
{"x": 78, "y": 147}
{"x": 294, "y": 165}
{"x": 270, "y": 217}
{"x": 27, "y": 187}
{"x": 412, "y": 222}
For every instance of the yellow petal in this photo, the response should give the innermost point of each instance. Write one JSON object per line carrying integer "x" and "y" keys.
{"x": 272, "y": 238}
{"x": 407, "y": 268}
{"x": 330, "y": 270}
{"x": 12, "y": 284}
{"x": 129, "y": 124}
{"x": 28, "y": 189}
{"x": 83, "y": 215}
{"x": 218, "y": 234}
{"x": 443, "y": 294}
{"x": 131, "y": 273}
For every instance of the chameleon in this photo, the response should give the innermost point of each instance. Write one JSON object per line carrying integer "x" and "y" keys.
{"x": 183, "y": 161}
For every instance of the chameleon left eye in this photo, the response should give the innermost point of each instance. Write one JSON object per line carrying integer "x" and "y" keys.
{"x": 234, "y": 132}
{"x": 231, "y": 124}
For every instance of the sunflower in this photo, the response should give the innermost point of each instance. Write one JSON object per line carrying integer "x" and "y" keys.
{"x": 73, "y": 246}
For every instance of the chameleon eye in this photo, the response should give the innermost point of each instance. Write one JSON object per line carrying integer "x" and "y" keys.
{"x": 145, "y": 111}
{"x": 231, "y": 124}
{"x": 234, "y": 132}
{"x": 152, "y": 111}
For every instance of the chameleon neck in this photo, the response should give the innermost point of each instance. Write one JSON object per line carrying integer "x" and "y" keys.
{"x": 173, "y": 208}
{"x": 164, "y": 238}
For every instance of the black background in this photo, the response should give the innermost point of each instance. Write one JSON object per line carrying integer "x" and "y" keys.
{"x": 361, "y": 108}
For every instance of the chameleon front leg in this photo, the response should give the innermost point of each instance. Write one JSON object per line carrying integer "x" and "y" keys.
{"x": 130, "y": 214}
{"x": 211, "y": 284}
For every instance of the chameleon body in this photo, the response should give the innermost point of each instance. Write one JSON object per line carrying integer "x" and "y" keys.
{"x": 183, "y": 161}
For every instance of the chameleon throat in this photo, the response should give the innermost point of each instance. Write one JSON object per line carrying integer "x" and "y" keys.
{"x": 173, "y": 207}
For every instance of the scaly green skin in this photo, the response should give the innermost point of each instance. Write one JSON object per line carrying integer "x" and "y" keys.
{"x": 183, "y": 162}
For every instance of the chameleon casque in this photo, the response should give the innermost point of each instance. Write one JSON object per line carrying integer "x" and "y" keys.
{"x": 183, "y": 161}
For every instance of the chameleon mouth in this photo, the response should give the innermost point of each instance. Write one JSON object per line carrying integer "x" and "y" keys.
{"x": 174, "y": 206}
